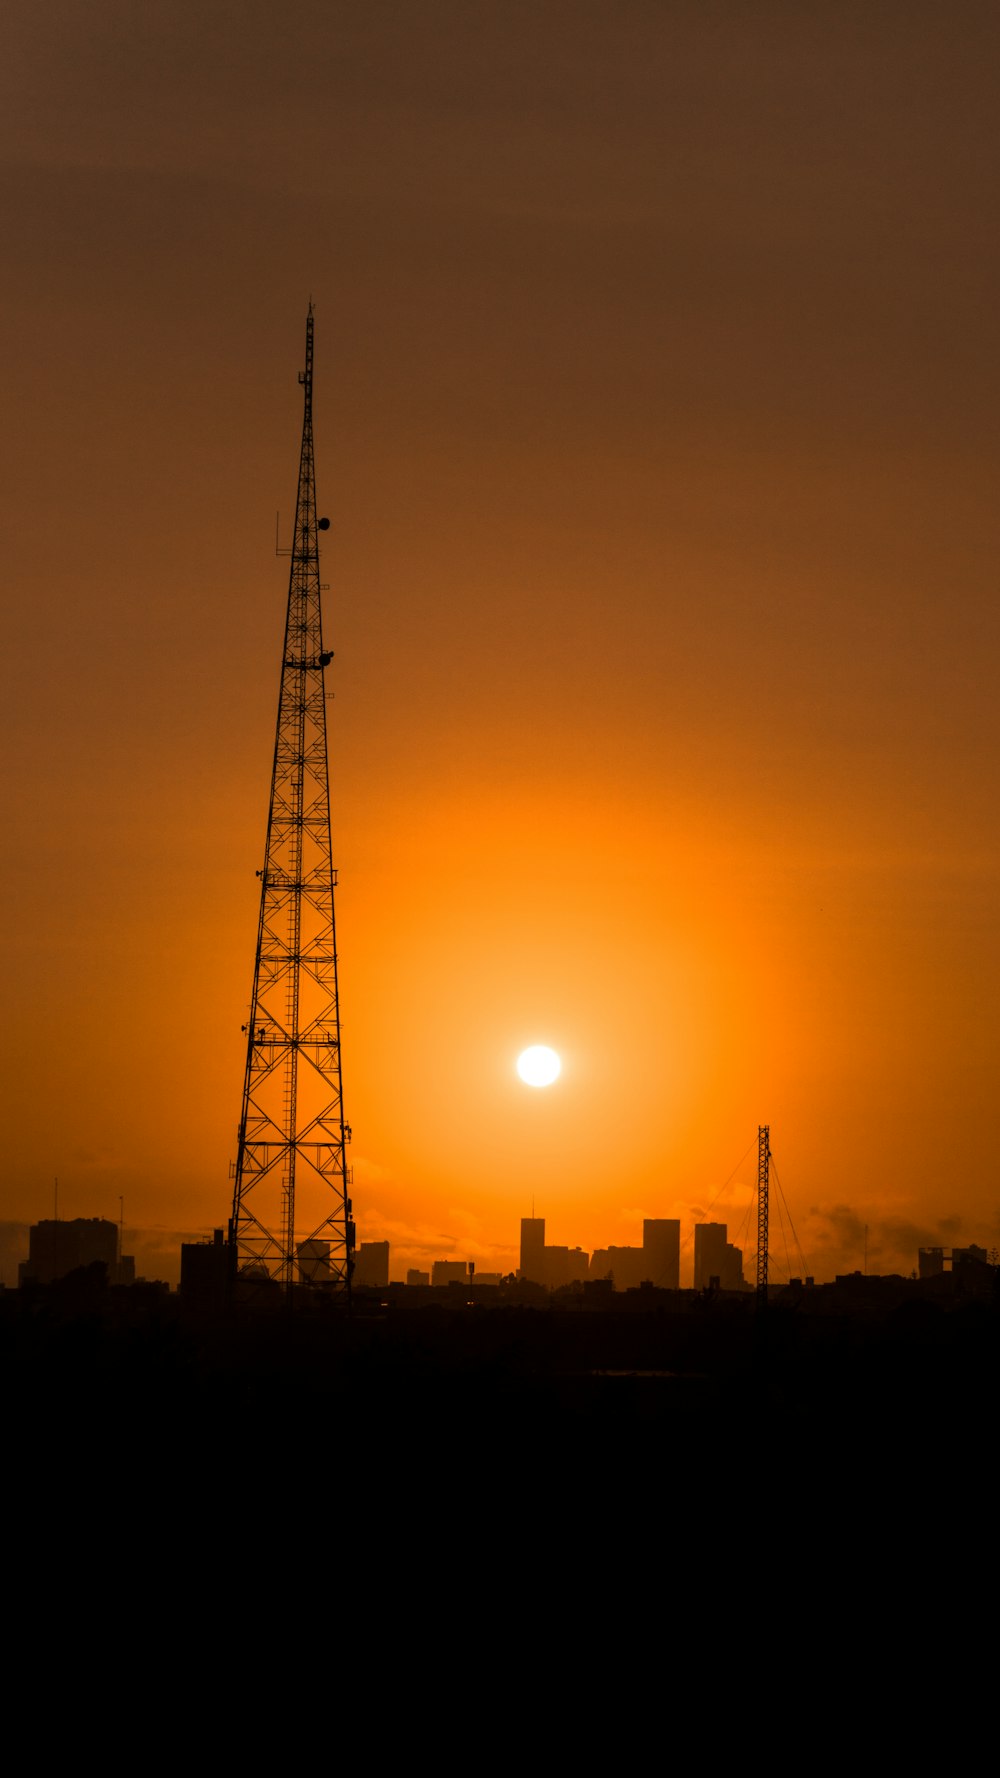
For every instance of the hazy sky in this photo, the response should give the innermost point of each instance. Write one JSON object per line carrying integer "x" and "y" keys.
{"x": 656, "y": 418}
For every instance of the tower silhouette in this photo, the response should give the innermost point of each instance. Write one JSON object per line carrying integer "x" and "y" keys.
{"x": 763, "y": 1195}
{"x": 291, "y": 1222}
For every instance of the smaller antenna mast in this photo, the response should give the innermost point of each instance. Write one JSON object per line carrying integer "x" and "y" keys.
{"x": 763, "y": 1182}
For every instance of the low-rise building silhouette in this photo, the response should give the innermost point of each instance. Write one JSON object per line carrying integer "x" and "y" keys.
{"x": 205, "y": 1271}
{"x": 371, "y": 1265}
{"x": 565, "y": 1265}
{"x": 56, "y": 1248}
{"x": 625, "y": 1266}
{"x": 657, "y": 1261}
{"x": 314, "y": 1261}
{"x": 450, "y": 1271}
{"x": 932, "y": 1261}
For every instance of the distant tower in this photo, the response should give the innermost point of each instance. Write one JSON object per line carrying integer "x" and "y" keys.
{"x": 763, "y": 1183}
{"x": 292, "y": 1178}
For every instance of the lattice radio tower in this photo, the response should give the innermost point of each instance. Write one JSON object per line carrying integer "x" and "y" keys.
{"x": 291, "y": 1223}
{"x": 763, "y": 1195}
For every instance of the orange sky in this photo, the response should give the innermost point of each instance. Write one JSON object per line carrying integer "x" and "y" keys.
{"x": 656, "y": 420}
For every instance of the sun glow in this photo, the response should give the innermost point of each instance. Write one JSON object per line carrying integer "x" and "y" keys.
{"x": 538, "y": 1066}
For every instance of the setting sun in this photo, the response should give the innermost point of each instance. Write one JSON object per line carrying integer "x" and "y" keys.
{"x": 538, "y": 1066}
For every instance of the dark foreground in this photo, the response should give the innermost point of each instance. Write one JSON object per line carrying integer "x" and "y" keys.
{"x": 449, "y": 1505}
{"x": 641, "y": 1413}
{"x": 448, "y": 1492}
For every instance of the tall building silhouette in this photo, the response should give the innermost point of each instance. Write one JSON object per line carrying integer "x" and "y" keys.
{"x": 661, "y": 1247}
{"x": 715, "y": 1258}
{"x": 533, "y": 1248}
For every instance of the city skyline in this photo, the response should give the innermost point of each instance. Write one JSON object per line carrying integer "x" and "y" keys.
{"x": 655, "y": 422}
{"x": 157, "y": 1255}
{"x": 58, "y": 1249}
